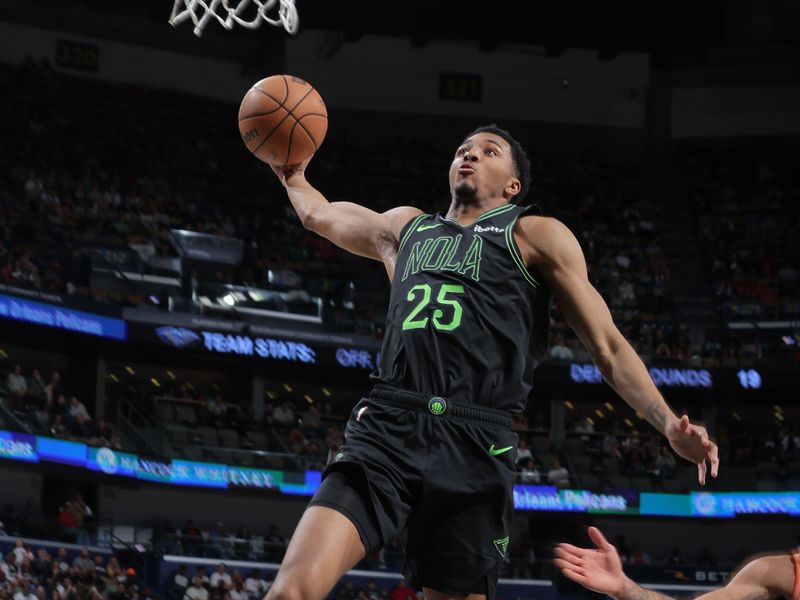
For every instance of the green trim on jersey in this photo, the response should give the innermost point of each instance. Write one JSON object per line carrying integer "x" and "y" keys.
{"x": 495, "y": 211}
{"x": 516, "y": 255}
{"x": 410, "y": 228}
{"x": 487, "y": 215}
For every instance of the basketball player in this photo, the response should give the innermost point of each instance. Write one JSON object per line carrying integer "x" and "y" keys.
{"x": 600, "y": 570}
{"x": 431, "y": 447}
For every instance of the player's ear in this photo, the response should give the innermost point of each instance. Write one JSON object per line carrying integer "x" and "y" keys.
{"x": 512, "y": 187}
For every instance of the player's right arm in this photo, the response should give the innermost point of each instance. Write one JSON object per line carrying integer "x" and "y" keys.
{"x": 350, "y": 226}
{"x": 600, "y": 570}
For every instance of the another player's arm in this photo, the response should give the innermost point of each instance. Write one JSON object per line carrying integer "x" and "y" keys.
{"x": 600, "y": 570}
{"x": 350, "y": 226}
{"x": 555, "y": 254}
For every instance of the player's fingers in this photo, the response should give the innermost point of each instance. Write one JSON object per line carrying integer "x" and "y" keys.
{"x": 701, "y": 472}
{"x": 570, "y": 549}
{"x": 684, "y": 424}
{"x": 714, "y": 458}
{"x": 567, "y": 565}
{"x": 598, "y": 538}
{"x": 575, "y": 575}
{"x": 574, "y": 556}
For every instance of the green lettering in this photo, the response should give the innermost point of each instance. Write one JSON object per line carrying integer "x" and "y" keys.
{"x": 472, "y": 259}
{"x": 448, "y": 264}
{"x": 437, "y": 253}
{"x": 416, "y": 256}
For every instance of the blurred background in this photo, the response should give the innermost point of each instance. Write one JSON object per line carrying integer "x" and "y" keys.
{"x": 178, "y": 356}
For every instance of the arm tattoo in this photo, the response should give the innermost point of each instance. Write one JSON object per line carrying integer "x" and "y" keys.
{"x": 639, "y": 593}
{"x": 656, "y": 415}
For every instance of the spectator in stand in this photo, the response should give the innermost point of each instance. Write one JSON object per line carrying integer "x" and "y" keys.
{"x": 238, "y": 592}
{"x": 179, "y": 583}
{"x": 530, "y": 474}
{"x": 21, "y": 552}
{"x": 17, "y": 386}
{"x": 77, "y": 419}
{"x": 201, "y": 572}
{"x": 524, "y": 453}
{"x": 311, "y": 420}
{"x": 221, "y": 575}
{"x": 283, "y": 415}
{"x": 83, "y": 560}
{"x": 61, "y": 560}
{"x": 372, "y": 591}
{"x": 256, "y": 585}
{"x": 403, "y": 591}
{"x": 43, "y": 563}
{"x": 196, "y": 591}
{"x": 25, "y": 592}
{"x": 519, "y": 422}
{"x": 216, "y": 411}
{"x": 558, "y": 475}
{"x": 53, "y": 389}
{"x": 36, "y": 392}
{"x": 559, "y": 350}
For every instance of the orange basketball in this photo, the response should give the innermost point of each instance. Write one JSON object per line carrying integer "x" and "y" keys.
{"x": 282, "y": 120}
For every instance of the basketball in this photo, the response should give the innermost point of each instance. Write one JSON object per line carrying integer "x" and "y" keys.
{"x": 282, "y": 120}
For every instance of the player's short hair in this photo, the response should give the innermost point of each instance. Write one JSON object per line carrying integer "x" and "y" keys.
{"x": 519, "y": 158}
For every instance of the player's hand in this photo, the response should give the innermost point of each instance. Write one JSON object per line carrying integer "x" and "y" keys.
{"x": 290, "y": 175}
{"x": 691, "y": 442}
{"x": 599, "y": 569}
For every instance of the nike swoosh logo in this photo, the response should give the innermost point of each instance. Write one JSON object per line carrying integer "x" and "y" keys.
{"x": 495, "y": 451}
{"x": 426, "y": 227}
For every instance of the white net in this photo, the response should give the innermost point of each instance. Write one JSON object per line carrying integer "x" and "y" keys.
{"x": 247, "y": 13}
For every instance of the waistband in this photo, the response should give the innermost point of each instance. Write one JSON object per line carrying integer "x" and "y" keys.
{"x": 439, "y": 406}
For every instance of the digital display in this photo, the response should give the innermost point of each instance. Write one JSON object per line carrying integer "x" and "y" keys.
{"x": 245, "y": 345}
{"x": 547, "y": 498}
{"x": 662, "y": 377}
{"x": 18, "y": 446}
{"x": 48, "y": 315}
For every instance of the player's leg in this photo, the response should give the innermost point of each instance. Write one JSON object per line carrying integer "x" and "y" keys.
{"x": 431, "y": 594}
{"x": 325, "y": 545}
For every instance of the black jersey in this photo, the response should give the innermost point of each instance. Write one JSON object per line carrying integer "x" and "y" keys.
{"x": 466, "y": 318}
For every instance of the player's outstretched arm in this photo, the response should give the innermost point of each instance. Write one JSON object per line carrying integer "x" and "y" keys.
{"x": 600, "y": 569}
{"x": 350, "y": 226}
{"x": 555, "y": 254}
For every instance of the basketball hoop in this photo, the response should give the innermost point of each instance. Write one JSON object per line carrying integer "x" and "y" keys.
{"x": 229, "y": 12}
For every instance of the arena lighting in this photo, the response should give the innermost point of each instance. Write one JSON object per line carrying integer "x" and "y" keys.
{"x": 228, "y": 299}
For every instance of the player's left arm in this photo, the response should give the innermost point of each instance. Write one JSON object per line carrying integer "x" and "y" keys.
{"x": 552, "y": 251}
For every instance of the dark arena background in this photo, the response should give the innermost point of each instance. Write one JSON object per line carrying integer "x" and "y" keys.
{"x": 179, "y": 356}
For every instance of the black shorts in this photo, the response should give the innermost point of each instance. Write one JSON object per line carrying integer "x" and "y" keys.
{"x": 444, "y": 471}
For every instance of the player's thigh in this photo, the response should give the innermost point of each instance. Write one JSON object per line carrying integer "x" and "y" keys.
{"x": 431, "y": 594}
{"x": 324, "y": 547}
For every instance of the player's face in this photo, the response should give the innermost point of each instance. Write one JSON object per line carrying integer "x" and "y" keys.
{"x": 482, "y": 168}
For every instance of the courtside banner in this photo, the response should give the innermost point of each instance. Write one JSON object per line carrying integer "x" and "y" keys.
{"x": 22, "y": 447}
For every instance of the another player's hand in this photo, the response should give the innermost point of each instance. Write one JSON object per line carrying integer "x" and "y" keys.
{"x": 692, "y": 443}
{"x": 599, "y": 569}
{"x": 290, "y": 175}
